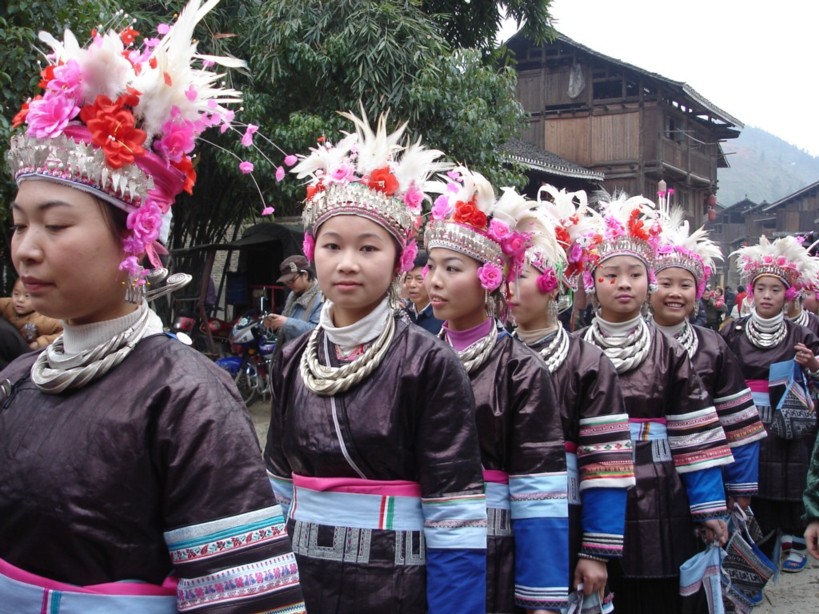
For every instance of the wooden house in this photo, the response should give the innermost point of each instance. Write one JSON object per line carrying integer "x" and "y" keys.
{"x": 633, "y": 126}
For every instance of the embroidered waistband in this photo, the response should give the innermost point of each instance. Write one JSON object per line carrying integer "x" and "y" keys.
{"x": 647, "y": 430}
{"x": 27, "y": 592}
{"x": 386, "y": 488}
{"x": 758, "y": 385}
{"x": 495, "y": 476}
{"x": 361, "y": 511}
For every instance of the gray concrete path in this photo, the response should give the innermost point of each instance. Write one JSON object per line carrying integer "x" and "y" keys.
{"x": 793, "y": 594}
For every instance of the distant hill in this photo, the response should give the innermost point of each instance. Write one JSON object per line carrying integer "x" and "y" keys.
{"x": 763, "y": 167}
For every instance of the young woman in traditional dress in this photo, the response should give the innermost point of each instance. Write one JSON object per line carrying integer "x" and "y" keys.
{"x": 770, "y": 348}
{"x": 595, "y": 424}
{"x": 679, "y": 445}
{"x": 372, "y": 443}
{"x": 131, "y": 479}
{"x": 474, "y": 249}
{"x": 683, "y": 265}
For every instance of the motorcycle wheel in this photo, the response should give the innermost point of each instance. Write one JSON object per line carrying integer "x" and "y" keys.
{"x": 245, "y": 382}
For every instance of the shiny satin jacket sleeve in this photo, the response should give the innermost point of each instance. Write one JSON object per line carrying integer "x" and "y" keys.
{"x": 604, "y": 449}
{"x": 695, "y": 436}
{"x": 722, "y": 377}
{"x": 521, "y": 434}
{"x": 154, "y": 469}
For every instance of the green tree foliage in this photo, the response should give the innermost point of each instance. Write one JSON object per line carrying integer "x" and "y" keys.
{"x": 312, "y": 58}
{"x": 475, "y": 23}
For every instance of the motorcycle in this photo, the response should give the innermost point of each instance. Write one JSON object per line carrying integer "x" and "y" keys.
{"x": 249, "y": 364}
{"x": 194, "y": 332}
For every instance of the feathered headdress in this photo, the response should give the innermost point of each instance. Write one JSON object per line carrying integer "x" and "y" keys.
{"x": 571, "y": 219}
{"x": 121, "y": 122}
{"x": 784, "y": 259}
{"x": 625, "y": 227}
{"x": 468, "y": 219}
{"x": 678, "y": 247}
{"x": 373, "y": 174}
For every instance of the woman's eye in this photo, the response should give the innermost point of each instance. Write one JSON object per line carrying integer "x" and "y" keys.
{"x": 369, "y": 248}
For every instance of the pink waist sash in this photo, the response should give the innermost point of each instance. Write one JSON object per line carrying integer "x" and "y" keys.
{"x": 570, "y": 447}
{"x": 495, "y": 476}
{"x": 130, "y": 589}
{"x": 757, "y": 385}
{"x": 360, "y": 486}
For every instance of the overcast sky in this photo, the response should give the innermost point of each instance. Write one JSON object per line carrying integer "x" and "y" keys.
{"x": 757, "y": 61}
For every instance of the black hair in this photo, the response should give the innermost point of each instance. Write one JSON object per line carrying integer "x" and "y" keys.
{"x": 740, "y": 288}
{"x": 421, "y": 259}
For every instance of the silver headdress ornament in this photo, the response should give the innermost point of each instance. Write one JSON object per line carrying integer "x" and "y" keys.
{"x": 121, "y": 121}
{"x": 371, "y": 174}
{"x": 626, "y": 227}
{"x": 466, "y": 218}
{"x": 784, "y": 259}
{"x": 678, "y": 248}
{"x": 461, "y": 217}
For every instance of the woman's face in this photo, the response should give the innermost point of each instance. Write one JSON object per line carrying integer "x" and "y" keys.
{"x": 529, "y": 306}
{"x": 675, "y": 297}
{"x": 454, "y": 289}
{"x": 66, "y": 255}
{"x": 355, "y": 264}
{"x": 621, "y": 285}
{"x": 769, "y": 296}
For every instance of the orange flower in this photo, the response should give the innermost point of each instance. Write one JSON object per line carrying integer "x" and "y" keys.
{"x": 312, "y": 190}
{"x": 562, "y": 236}
{"x": 47, "y": 75}
{"x": 22, "y": 113}
{"x": 382, "y": 180}
{"x": 118, "y": 138}
{"x": 128, "y": 35}
{"x": 637, "y": 228}
{"x": 468, "y": 213}
{"x": 113, "y": 128}
{"x": 186, "y": 166}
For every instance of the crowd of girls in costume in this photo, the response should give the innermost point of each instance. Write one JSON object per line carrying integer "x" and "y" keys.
{"x": 463, "y": 452}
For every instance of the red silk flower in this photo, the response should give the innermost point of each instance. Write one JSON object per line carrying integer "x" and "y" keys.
{"x": 186, "y": 166}
{"x": 113, "y": 128}
{"x": 468, "y": 213}
{"x": 382, "y": 180}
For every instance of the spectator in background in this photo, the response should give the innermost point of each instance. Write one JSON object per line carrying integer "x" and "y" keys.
{"x": 37, "y": 330}
{"x": 419, "y": 308}
{"x": 713, "y": 304}
{"x": 730, "y": 299}
{"x": 303, "y": 305}
{"x": 740, "y": 298}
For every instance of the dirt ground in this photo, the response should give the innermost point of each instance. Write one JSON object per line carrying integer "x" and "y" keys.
{"x": 793, "y": 594}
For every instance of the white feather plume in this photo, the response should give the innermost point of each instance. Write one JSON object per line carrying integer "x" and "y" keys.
{"x": 376, "y": 149}
{"x": 166, "y": 84}
{"x": 675, "y": 232}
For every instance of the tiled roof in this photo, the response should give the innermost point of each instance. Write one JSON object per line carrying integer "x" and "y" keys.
{"x": 534, "y": 158}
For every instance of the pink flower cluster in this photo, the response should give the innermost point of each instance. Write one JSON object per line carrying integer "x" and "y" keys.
{"x": 491, "y": 276}
{"x": 408, "y": 256}
{"x": 547, "y": 281}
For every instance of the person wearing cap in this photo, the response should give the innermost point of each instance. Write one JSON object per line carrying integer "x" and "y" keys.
{"x": 131, "y": 479}
{"x": 303, "y": 305}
